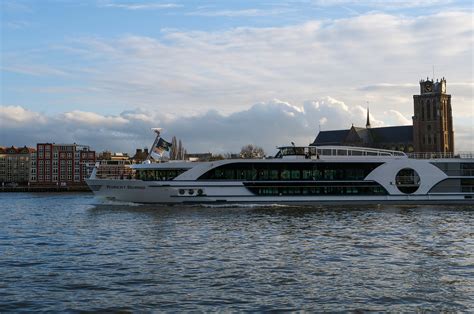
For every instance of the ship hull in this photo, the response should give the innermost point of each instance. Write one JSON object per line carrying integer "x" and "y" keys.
{"x": 169, "y": 192}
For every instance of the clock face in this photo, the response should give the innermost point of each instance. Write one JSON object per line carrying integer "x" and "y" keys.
{"x": 428, "y": 87}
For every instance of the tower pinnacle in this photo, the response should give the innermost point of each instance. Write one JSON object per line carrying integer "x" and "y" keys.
{"x": 367, "y": 125}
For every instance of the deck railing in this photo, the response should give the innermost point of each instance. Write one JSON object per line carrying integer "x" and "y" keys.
{"x": 438, "y": 155}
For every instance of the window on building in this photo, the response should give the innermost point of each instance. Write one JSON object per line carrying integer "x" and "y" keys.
{"x": 428, "y": 110}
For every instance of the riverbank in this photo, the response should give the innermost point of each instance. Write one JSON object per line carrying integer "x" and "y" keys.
{"x": 48, "y": 189}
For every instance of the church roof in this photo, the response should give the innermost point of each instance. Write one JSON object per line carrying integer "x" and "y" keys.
{"x": 364, "y": 134}
{"x": 391, "y": 134}
{"x": 330, "y": 137}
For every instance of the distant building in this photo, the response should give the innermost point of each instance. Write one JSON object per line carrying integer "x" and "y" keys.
{"x": 432, "y": 129}
{"x": 61, "y": 164}
{"x": 107, "y": 155}
{"x": 15, "y": 164}
{"x": 433, "y": 119}
{"x": 198, "y": 157}
{"x": 140, "y": 155}
{"x": 393, "y": 138}
{"x": 114, "y": 166}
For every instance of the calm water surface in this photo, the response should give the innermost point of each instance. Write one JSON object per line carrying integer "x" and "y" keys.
{"x": 70, "y": 252}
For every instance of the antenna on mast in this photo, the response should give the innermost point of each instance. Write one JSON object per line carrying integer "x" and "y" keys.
{"x": 433, "y": 72}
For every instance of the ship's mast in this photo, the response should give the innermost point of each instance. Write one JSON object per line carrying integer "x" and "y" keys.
{"x": 158, "y": 135}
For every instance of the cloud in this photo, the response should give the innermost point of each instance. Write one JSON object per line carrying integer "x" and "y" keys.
{"x": 17, "y": 117}
{"x": 17, "y": 24}
{"x": 383, "y": 4}
{"x": 184, "y": 75}
{"x": 267, "y": 124}
{"x": 353, "y": 59}
{"x": 401, "y": 118}
{"x": 238, "y": 13}
{"x": 91, "y": 118}
{"x": 34, "y": 69}
{"x": 139, "y": 6}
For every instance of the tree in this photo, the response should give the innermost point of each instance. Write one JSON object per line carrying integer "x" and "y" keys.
{"x": 180, "y": 151}
{"x": 251, "y": 151}
{"x": 177, "y": 151}
{"x": 174, "y": 148}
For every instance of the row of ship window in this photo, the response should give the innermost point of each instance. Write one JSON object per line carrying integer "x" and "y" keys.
{"x": 290, "y": 171}
{"x": 270, "y": 172}
{"x": 327, "y": 190}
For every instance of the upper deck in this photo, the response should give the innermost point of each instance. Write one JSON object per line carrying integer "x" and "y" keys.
{"x": 337, "y": 152}
{"x": 324, "y": 152}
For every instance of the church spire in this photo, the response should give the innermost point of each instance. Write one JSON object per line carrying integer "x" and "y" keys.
{"x": 367, "y": 125}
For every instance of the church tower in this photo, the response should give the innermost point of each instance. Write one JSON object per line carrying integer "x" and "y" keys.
{"x": 433, "y": 120}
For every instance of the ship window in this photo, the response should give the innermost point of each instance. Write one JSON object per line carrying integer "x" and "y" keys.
{"x": 310, "y": 171}
{"x": 158, "y": 175}
{"x": 295, "y": 174}
{"x": 407, "y": 181}
{"x": 467, "y": 185}
{"x": 326, "y": 188}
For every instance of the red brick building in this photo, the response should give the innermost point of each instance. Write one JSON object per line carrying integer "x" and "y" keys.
{"x": 61, "y": 164}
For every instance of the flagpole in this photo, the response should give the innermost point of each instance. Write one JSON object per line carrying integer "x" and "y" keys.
{"x": 158, "y": 135}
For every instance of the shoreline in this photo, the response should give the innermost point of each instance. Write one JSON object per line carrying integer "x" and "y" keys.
{"x": 45, "y": 189}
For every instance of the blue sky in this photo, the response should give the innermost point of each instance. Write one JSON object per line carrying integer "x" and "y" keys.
{"x": 119, "y": 67}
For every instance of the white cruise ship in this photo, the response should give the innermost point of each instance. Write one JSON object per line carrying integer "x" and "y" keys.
{"x": 300, "y": 175}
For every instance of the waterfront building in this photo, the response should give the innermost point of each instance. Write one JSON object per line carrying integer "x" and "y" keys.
{"x": 108, "y": 155}
{"x": 140, "y": 155}
{"x": 61, "y": 164}
{"x": 198, "y": 157}
{"x": 15, "y": 163}
{"x": 432, "y": 129}
{"x": 114, "y": 165}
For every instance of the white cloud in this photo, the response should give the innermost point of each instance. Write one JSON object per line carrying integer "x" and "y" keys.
{"x": 267, "y": 124}
{"x": 17, "y": 24}
{"x": 238, "y": 13}
{"x": 17, "y": 117}
{"x": 139, "y": 6}
{"x": 91, "y": 118}
{"x": 191, "y": 71}
{"x": 191, "y": 76}
{"x": 382, "y": 4}
{"x": 401, "y": 118}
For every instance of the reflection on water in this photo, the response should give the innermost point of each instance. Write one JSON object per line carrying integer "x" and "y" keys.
{"x": 68, "y": 252}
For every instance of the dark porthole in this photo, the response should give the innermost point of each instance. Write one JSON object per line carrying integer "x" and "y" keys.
{"x": 191, "y": 192}
{"x": 181, "y": 191}
{"x": 407, "y": 181}
{"x": 200, "y": 192}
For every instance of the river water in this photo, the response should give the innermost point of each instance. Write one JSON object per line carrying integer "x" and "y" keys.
{"x": 67, "y": 252}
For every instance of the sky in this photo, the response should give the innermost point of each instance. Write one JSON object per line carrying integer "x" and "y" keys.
{"x": 222, "y": 74}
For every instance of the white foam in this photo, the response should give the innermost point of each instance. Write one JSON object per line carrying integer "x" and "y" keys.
{"x": 237, "y": 205}
{"x": 104, "y": 201}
